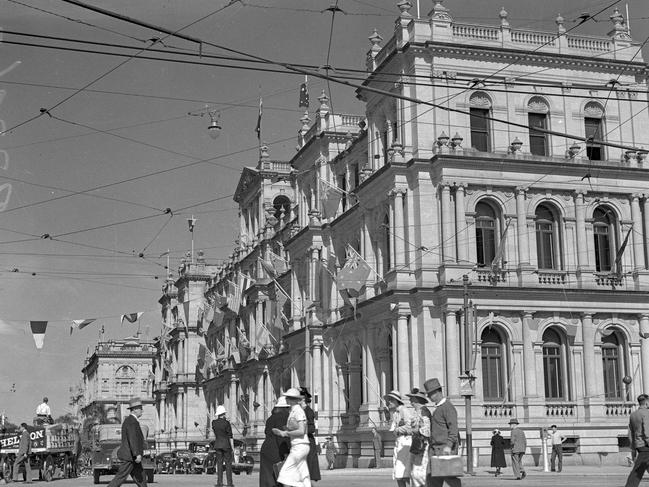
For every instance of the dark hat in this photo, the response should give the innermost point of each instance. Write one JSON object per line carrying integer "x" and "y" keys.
{"x": 135, "y": 403}
{"x": 24, "y": 425}
{"x": 553, "y": 426}
{"x": 417, "y": 396}
{"x": 45, "y": 399}
{"x": 394, "y": 396}
{"x": 432, "y": 385}
{"x": 513, "y": 421}
{"x": 305, "y": 393}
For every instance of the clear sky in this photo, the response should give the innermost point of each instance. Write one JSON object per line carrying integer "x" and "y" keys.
{"x": 128, "y": 134}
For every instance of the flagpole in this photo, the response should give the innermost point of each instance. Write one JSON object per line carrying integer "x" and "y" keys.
{"x": 367, "y": 263}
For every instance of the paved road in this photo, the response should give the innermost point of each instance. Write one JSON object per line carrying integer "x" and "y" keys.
{"x": 605, "y": 476}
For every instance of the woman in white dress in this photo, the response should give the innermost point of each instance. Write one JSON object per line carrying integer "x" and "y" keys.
{"x": 420, "y": 425}
{"x": 401, "y": 428}
{"x": 295, "y": 470}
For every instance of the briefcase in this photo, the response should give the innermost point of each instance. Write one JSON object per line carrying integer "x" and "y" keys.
{"x": 446, "y": 466}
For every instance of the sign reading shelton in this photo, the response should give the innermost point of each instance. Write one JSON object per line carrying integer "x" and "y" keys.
{"x": 11, "y": 441}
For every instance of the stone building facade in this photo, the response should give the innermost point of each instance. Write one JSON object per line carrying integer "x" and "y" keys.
{"x": 117, "y": 371}
{"x": 527, "y": 172}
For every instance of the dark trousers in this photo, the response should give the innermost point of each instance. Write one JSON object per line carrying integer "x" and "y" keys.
{"x": 640, "y": 466}
{"x": 223, "y": 456}
{"x": 517, "y": 464}
{"x": 557, "y": 452}
{"x": 24, "y": 460}
{"x": 133, "y": 469}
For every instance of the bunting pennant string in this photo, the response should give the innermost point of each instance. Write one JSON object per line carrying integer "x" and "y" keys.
{"x": 38, "y": 331}
{"x": 131, "y": 317}
{"x": 81, "y": 324}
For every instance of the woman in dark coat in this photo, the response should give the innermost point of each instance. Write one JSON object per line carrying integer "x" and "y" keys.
{"x": 274, "y": 448}
{"x": 498, "y": 452}
{"x": 312, "y": 459}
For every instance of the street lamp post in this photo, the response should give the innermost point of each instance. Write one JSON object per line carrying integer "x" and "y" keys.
{"x": 467, "y": 379}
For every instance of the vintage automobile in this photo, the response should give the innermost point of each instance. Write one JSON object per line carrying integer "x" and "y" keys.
{"x": 165, "y": 462}
{"x": 107, "y": 439}
{"x": 242, "y": 462}
{"x": 183, "y": 461}
{"x": 199, "y": 454}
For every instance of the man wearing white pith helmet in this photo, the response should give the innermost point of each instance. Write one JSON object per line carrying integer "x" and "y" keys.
{"x": 223, "y": 447}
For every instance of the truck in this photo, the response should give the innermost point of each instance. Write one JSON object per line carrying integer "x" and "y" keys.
{"x": 107, "y": 439}
{"x": 52, "y": 451}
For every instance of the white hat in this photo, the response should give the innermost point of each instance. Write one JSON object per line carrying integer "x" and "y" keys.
{"x": 281, "y": 403}
{"x": 293, "y": 393}
{"x": 219, "y": 411}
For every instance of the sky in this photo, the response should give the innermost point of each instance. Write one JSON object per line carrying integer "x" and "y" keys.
{"x": 119, "y": 132}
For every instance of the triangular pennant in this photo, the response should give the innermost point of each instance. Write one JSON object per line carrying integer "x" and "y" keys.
{"x": 38, "y": 331}
{"x": 80, "y": 324}
{"x": 131, "y": 317}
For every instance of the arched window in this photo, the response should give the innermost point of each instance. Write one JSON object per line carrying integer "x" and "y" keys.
{"x": 537, "y": 118}
{"x": 387, "y": 248}
{"x": 125, "y": 382}
{"x": 494, "y": 367}
{"x": 548, "y": 243}
{"x": 486, "y": 228}
{"x": 282, "y": 206}
{"x": 613, "y": 364}
{"x": 479, "y": 112}
{"x": 554, "y": 369}
{"x": 594, "y": 129}
{"x": 604, "y": 235}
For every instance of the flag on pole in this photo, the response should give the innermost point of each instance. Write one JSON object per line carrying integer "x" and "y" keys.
{"x": 38, "y": 331}
{"x": 497, "y": 262}
{"x": 245, "y": 282}
{"x": 219, "y": 314}
{"x": 131, "y": 317}
{"x": 620, "y": 253}
{"x": 275, "y": 265}
{"x": 354, "y": 273}
{"x": 258, "y": 127}
{"x": 304, "y": 94}
{"x": 234, "y": 296}
{"x": 80, "y": 324}
{"x": 330, "y": 197}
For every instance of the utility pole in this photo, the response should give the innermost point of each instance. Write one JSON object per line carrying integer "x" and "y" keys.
{"x": 467, "y": 378}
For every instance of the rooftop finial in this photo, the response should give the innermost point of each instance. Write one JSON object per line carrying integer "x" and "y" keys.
{"x": 405, "y": 6}
{"x": 559, "y": 21}
{"x": 503, "y": 17}
{"x": 375, "y": 39}
{"x": 323, "y": 99}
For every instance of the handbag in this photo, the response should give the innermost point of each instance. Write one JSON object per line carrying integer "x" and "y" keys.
{"x": 446, "y": 466}
{"x": 277, "y": 467}
{"x": 418, "y": 445}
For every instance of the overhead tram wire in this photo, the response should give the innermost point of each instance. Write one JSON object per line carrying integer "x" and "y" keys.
{"x": 95, "y": 80}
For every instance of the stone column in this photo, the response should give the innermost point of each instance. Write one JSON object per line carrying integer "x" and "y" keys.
{"x": 316, "y": 369}
{"x": 580, "y": 215}
{"x": 452, "y": 354}
{"x": 403, "y": 353}
{"x": 588, "y": 333}
{"x": 392, "y": 200}
{"x": 646, "y": 226}
{"x": 399, "y": 228}
{"x": 372, "y": 388}
{"x": 521, "y": 226}
{"x": 528, "y": 356}
{"x": 232, "y": 399}
{"x": 448, "y": 242}
{"x": 644, "y": 350}
{"x": 636, "y": 233}
{"x": 462, "y": 232}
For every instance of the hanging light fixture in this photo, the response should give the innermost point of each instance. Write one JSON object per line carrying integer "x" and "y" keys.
{"x": 214, "y": 128}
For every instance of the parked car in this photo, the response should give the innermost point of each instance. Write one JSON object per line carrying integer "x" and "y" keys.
{"x": 183, "y": 461}
{"x": 104, "y": 460}
{"x": 199, "y": 454}
{"x": 165, "y": 462}
{"x": 242, "y": 462}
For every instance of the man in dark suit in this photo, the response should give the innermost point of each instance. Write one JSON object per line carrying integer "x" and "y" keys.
{"x": 638, "y": 435}
{"x": 22, "y": 457}
{"x": 223, "y": 447}
{"x": 132, "y": 447}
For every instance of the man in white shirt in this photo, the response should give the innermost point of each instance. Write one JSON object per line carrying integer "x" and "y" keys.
{"x": 556, "y": 440}
{"x": 43, "y": 412}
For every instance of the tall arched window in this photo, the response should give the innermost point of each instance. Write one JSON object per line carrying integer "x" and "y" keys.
{"x": 548, "y": 242}
{"x": 594, "y": 130}
{"x": 486, "y": 228}
{"x": 281, "y": 206}
{"x": 537, "y": 118}
{"x": 494, "y": 367}
{"x": 613, "y": 364}
{"x": 554, "y": 368}
{"x": 479, "y": 111}
{"x": 604, "y": 235}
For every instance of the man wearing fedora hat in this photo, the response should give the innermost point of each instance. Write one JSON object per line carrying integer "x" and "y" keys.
{"x": 519, "y": 444}
{"x": 444, "y": 432}
{"x": 223, "y": 446}
{"x": 132, "y": 447}
{"x": 312, "y": 458}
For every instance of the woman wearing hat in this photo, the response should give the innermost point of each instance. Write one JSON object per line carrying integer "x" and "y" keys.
{"x": 295, "y": 470}
{"x": 275, "y": 448}
{"x": 401, "y": 428}
{"x": 498, "y": 452}
{"x": 420, "y": 425}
